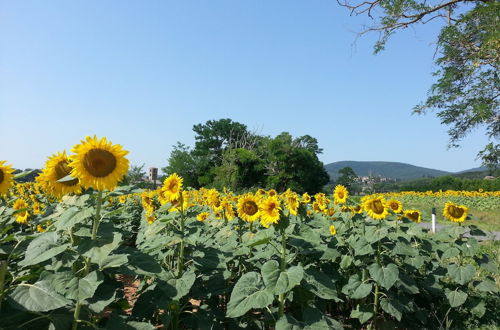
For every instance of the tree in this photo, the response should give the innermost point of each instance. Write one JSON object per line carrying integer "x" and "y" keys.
{"x": 291, "y": 164}
{"x": 136, "y": 173}
{"x": 347, "y": 177}
{"x": 466, "y": 94}
{"x": 183, "y": 162}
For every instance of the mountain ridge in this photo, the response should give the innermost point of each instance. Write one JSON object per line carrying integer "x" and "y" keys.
{"x": 393, "y": 170}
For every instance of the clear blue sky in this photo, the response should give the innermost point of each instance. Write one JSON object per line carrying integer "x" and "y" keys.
{"x": 143, "y": 73}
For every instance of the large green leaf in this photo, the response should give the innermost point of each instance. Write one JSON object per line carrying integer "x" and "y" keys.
{"x": 374, "y": 233}
{"x": 38, "y": 297}
{"x": 43, "y": 248}
{"x": 98, "y": 250}
{"x": 461, "y": 274}
{"x": 362, "y": 313}
{"x": 456, "y": 298}
{"x": 248, "y": 293}
{"x": 279, "y": 282}
{"x": 487, "y": 285}
{"x": 80, "y": 289}
{"x": 393, "y": 307}
{"x": 356, "y": 289}
{"x": 320, "y": 284}
{"x": 72, "y": 216}
{"x": 385, "y": 276}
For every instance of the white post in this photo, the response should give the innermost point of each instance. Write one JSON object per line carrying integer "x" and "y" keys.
{"x": 433, "y": 223}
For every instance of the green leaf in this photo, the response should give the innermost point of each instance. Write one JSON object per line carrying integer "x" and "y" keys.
{"x": 450, "y": 253}
{"x": 67, "y": 178}
{"x": 279, "y": 282}
{"x": 70, "y": 217}
{"x": 346, "y": 261}
{"x": 262, "y": 237}
{"x": 80, "y": 289}
{"x": 357, "y": 289}
{"x": 113, "y": 261}
{"x": 98, "y": 250}
{"x": 183, "y": 284}
{"x": 392, "y": 307}
{"x": 363, "y": 313}
{"x": 320, "y": 284}
{"x": 37, "y": 297}
{"x": 248, "y": 293}
{"x": 362, "y": 247}
{"x": 487, "y": 285}
{"x": 461, "y": 274}
{"x": 375, "y": 233}
{"x": 43, "y": 248}
{"x": 385, "y": 276}
{"x": 456, "y": 298}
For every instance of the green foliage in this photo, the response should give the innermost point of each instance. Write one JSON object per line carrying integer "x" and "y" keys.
{"x": 466, "y": 93}
{"x": 227, "y": 155}
{"x": 294, "y": 275}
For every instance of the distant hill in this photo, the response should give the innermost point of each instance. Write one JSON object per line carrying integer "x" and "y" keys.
{"x": 392, "y": 170}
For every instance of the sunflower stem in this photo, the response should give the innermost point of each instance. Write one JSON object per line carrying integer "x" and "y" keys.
{"x": 3, "y": 272}
{"x": 95, "y": 226}
{"x": 180, "y": 260}
{"x": 376, "y": 295}
{"x": 281, "y": 297}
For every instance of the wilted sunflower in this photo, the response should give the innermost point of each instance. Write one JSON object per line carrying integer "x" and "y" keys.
{"x": 413, "y": 215}
{"x": 375, "y": 207}
{"x": 269, "y": 209}
{"x": 357, "y": 209}
{"x": 202, "y": 216}
{"x": 6, "y": 177}
{"x": 340, "y": 194}
{"x": 98, "y": 163}
{"x": 454, "y": 212}
{"x": 56, "y": 168}
{"x": 248, "y": 208}
{"x": 395, "y": 205}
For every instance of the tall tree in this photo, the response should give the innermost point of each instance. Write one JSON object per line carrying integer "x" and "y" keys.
{"x": 347, "y": 177}
{"x": 466, "y": 93}
{"x": 184, "y": 163}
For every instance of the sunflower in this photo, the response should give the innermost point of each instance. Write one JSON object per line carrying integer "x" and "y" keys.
{"x": 56, "y": 168}
{"x": 22, "y": 217}
{"x": 150, "y": 218}
{"x": 6, "y": 177}
{"x": 305, "y": 198}
{"x": 454, "y": 212}
{"x": 172, "y": 187}
{"x": 20, "y": 204}
{"x": 395, "y": 205}
{"x": 227, "y": 206}
{"x": 340, "y": 194}
{"x": 413, "y": 215}
{"x": 98, "y": 163}
{"x": 202, "y": 216}
{"x": 269, "y": 209}
{"x": 248, "y": 208}
{"x": 292, "y": 203}
{"x": 357, "y": 209}
{"x": 333, "y": 231}
{"x": 375, "y": 207}
{"x": 122, "y": 199}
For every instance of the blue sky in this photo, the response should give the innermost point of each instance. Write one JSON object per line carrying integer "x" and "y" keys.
{"x": 143, "y": 73}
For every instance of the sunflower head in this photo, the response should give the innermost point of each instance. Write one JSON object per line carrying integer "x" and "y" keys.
{"x": 56, "y": 168}
{"x": 413, "y": 215}
{"x": 6, "y": 177}
{"x": 395, "y": 205}
{"x": 333, "y": 231}
{"x": 98, "y": 164}
{"x": 340, "y": 194}
{"x": 172, "y": 187}
{"x": 269, "y": 209}
{"x": 202, "y": 216}
{"x": 375, "y": 207}
{"x": 454, "y": 212}
{"x": 248, "y": 207}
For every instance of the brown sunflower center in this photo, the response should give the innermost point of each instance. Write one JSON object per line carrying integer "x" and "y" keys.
{"x": 250, "y": 207}
{"x": 99, "y": 162}
{"x": 456, "y": 212}
{"x": 62, "y": 169}
{"x": 412, "y": 215}
{"x": 173, "y": 186}
{"x": 1, "y": 176}
{"x": 377, "y": 206}
{"x": 394, "y": 206}
{"x": 340, "y": 194}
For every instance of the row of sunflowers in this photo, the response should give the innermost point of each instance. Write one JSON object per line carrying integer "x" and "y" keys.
{"x": 215, "y": 259}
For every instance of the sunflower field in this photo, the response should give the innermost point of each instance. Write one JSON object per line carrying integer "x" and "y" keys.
{"x": 77, "y": 251}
